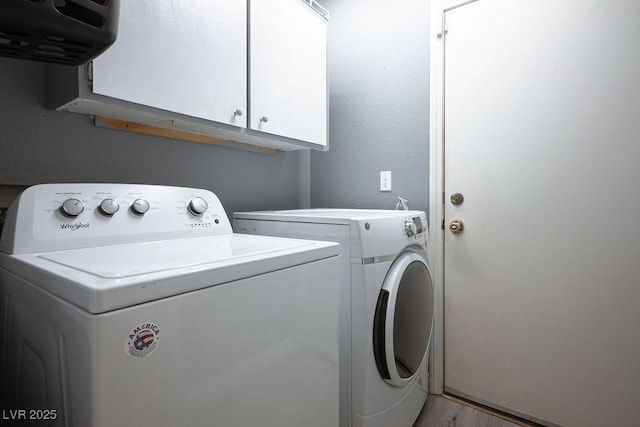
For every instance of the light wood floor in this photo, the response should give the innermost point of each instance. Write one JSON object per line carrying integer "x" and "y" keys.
{"x": 447, "y": 412}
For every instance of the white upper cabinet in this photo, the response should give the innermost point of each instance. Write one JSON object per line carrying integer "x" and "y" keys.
{"x": 187, "y": 57}
{"x": 288, "y": 77}
{"x": 249, "y": 71}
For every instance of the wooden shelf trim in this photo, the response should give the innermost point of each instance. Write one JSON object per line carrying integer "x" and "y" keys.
{"x": 173, "y": 133}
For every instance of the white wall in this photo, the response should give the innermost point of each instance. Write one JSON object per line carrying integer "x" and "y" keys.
{"x": 379, "y": 105}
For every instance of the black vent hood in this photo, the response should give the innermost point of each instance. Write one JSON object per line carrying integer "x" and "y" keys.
{"x": 69, "y": 32}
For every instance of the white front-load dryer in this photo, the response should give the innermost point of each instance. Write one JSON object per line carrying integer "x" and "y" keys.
{"x": 386, "y": 307}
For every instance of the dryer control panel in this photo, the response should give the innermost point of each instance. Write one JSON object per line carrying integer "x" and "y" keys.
{"x": 51, "y": 217}
{"x": 413, "y": 226}
{"x": 385, "y": 234}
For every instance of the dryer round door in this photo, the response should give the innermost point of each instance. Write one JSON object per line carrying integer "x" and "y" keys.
{"x": 403, "y": 319}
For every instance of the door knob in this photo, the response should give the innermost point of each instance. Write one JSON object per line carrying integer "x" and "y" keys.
{"x": 456, "y": 226}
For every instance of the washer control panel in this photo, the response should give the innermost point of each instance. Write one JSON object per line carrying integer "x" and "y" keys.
{"x": 65, "y": 216}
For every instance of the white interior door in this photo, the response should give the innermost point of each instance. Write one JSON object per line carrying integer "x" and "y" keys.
{"x": 542, "y": 137}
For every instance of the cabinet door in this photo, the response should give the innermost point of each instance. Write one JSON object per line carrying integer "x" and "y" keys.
{"x": 185, "y": 57}
{"x": 288, "y": 78}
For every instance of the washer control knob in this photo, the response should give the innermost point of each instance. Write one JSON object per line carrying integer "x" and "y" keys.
{"x": 197, "y": 206}
{"x": 140, "y": 206}
{"x": 109, "y": 206}
{"x": 409, "y": 228}
{"x": 72, "y": 207}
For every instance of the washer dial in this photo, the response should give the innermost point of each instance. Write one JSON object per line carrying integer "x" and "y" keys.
{"x": 109, "y": 206}
{"x": 197, "y": 206}
{"x": 140, "y": 206}
{"x": 72, "y": 207}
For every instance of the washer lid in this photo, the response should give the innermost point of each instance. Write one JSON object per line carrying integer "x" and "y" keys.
{"x": 106, "y": 278}
{"x": 150, "y": 257}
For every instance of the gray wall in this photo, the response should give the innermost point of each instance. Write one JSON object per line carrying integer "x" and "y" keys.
{"x": 38, "y": 145}
{"x": 379, "y": 105}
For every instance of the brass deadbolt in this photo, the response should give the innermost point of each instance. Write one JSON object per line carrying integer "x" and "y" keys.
{"x": 457, "y": 198}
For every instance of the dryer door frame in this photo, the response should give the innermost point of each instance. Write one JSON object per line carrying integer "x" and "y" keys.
{"x": 399, "y": 359}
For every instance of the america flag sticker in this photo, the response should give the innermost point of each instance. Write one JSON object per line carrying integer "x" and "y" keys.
{"x": 143, "y": 339}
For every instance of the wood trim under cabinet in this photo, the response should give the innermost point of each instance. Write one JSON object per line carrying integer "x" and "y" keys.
{"x": 175, "y": 134}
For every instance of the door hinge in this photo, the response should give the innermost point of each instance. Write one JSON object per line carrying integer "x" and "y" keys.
{"x": 442, "y": 224}
{"x": 444, "y": 29}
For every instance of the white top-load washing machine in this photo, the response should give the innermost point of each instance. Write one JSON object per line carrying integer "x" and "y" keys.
{"x": 136, "y": 305}
{"x": 386, "y": 310}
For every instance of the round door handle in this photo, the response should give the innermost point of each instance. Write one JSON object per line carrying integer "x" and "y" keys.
{"x": 238, "y": 112}
{"x": 456, "y": 226}
{"x": 264, "y": 119}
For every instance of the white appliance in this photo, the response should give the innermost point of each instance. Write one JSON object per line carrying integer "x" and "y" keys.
{"x": 386, "y": 309}
{"x": 125, "y": 305}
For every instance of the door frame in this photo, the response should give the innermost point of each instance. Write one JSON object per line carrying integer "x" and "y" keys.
{"x": 437, "y": 36}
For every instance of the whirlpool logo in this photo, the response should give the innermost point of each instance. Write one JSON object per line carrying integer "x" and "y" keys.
{"x": 74, "y": 226}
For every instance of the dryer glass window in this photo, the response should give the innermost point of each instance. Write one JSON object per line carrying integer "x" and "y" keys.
{"x": 412, "y": 318}
{"x": 403, "y": 318}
